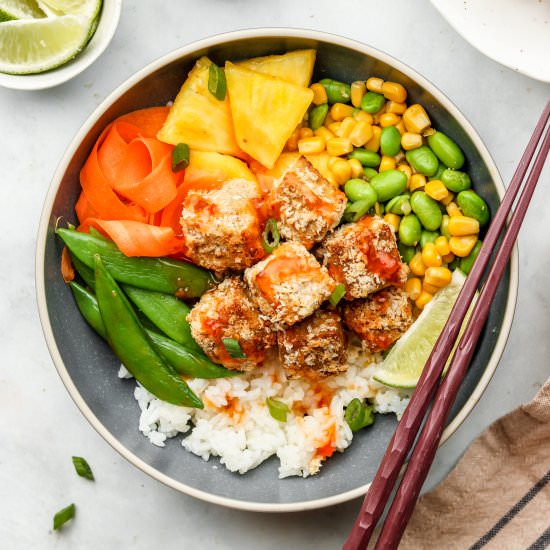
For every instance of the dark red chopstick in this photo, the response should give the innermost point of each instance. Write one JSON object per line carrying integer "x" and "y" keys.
{"x": 408, "y": 427}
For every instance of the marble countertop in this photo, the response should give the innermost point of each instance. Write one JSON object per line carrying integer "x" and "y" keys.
{"x": 40, "y": 427}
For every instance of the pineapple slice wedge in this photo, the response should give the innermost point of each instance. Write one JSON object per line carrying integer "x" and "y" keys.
{"x": 295, "y": 67}
{"x": 207, "y": 168}
{"x": 286, "y": 160}
{"x": 198, "y": 118}
{"x": 265, "y": 110}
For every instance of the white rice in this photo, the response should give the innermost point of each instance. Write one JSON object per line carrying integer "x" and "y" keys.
{"x": 236, "y": 426}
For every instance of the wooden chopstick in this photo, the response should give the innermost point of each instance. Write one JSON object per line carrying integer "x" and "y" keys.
{"x": 406, "y": 432}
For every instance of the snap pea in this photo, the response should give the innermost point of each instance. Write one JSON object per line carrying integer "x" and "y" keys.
{"x": 360, "y": 190}
{"x": 354, "y": 211}
{"x": 428, "y": 237}
{"x": 86, "y": 273}
{"x": 317, "y": 116}
{"x": 372, "y": 102}
{"x": 87, "y": 305}
{"x": 369, "y": 173}
{"x": 440, "y": 169}
{"x": 132, "y": 345}
{"x": 161, "y": 274}
{"x": 337, "y": 92}
{"x": 427, "y": 210}
{"x": 446, "y": 150}
{"x": 422, "y": 160}
{"x": 474, "y": 206}
{"x": 366, "y": 157}
{"x": 399, "y": 205}
{"x": 444, "y": 228}
{"x": 466, "y": 263}
{"x": 390, "y": 141}
{"x": 410, "y": 230}
{"x": 455, "y": 181}
{"x": 406, "y": 252}
{"x": 389, "y": 184}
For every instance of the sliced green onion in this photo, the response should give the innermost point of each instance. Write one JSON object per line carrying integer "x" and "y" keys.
{"x": 82, "y": 468}
{"x": 63, "y": 516}
{"x": 271, "y": 236}
{"x": 358, "y": 415}
{"x": 217, "y": 85}
{"x": 337, "y": 294}
{"x": 180, "y": 157}
{"x": 277, "y": 409}
{"x": 233, "y": 348}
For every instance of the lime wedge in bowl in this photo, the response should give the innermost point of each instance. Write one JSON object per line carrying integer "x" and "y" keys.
{"x": 86, "y": 8}
{"x": 19, "y": 9}
{"x": 403, "y": 365}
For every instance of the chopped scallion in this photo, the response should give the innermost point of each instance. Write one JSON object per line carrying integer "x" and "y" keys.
{"x": 271, "y": 236}
{"x": 358, "y": 415}
{"x": 233, "y": 348}
{"x": 63, "y": 516}
{"x": 277, "y": 409}
{"x": 180, "y": 157}
{"x": 337, "y": 294}
{"x": 217, "y": 85}
{"x": 82, "y": 468}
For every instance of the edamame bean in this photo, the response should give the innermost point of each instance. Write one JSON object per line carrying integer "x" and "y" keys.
{"x": 474, "y": 206}
{"x": 337, "y": 92}
{"x": 399, "y": 205}
{"x": 444, "y": 228}
{"x": 422, "y": 160}
{"x": 389, "y": 184}
{"x": 369, "y": 173}
{"x": 428, "y": 237}
{"x": 446, "y": 150}
{"x": 427, "y": 210}
{"x": 317, "y": 116}
{"x": 406, "y": 252}
{"x": 440, "y": 169}
{"x": 356, "y": 210}
{"x": 456, "y": 181}
{"x": 390, "y": 141}
{"x": 365, "y": 157}
{"x": 372, "y": 102}
{"x": 360, "y": 190}
{"x": 410, "y": 230}
{"x": 466, "y": 263}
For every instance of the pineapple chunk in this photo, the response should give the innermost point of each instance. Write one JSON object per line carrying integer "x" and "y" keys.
{"x": 265, "y": 111}
{"x": 198, "y": 118}
{"x": 285, "y": 160}
{"x": 207, "y": 168}
{"x": 295, "y": 67}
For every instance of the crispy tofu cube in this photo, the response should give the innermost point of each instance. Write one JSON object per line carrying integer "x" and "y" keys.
{"x": 305, "y": 204}
{"x": 289, "y": 285}
{"x": 380, "y": 319}
{"x": 315, "y": 347}
{"x": 228, "y": 312}
{"x": 221, "y": 227}
{"x": 364, "y": 257}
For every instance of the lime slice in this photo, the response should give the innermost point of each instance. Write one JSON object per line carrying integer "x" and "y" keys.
{"x": 86, "y": 8}
{"x": 403, "y": 365}
{"x": 37, "y": 45}
{"x": 19, "y": 9}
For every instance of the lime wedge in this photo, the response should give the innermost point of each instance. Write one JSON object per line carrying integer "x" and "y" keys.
{"x": 403, "y": 365}
{"x": 19, "y": 9}
{"x": 37, "y": 45}
{"x": 86, "y": 8}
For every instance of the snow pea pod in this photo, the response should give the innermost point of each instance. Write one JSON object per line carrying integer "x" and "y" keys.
{"x": 423, "y": 160}
{"x": 132, "y": 346}
{"x": 446, "y": 150}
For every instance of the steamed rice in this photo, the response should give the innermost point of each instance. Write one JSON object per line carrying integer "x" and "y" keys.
{"x": 236, "y": 426}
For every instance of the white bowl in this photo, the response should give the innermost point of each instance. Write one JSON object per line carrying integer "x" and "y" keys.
{"x": 108, "y": 22}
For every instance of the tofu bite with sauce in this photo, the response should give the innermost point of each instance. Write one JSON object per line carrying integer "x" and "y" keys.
{"x": 379, "y": 320}
{"x": 364, "y": 257}
{"x": 289, "y": 285}
{"x": 315, "y": 347}
{"x": 228, "y": 312}
{"x": 221, "y": 227}
{"x": 305, "y": 204}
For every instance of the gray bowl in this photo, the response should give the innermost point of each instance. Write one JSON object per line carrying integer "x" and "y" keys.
{"x": 89, "y": 369}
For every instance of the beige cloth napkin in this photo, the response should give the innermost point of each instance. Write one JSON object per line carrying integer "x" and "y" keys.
{"x": 498, "y": 496}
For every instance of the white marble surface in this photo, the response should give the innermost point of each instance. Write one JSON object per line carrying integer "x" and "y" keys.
{"x": 40, "y": 428}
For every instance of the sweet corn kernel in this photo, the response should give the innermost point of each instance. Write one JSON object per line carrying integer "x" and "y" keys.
{"x": 438, "y": 276}
{"x": 423, "y": 299}
{"x": 401, "y": 127}
{"x": 411, "y": 141}
{"x": 363, "y": 116}
{"x": 394, "y": 92}
{"x": 442, "y": 246}
{"x": 406, "y": 169}
{"x": 319, "y": 94}
{"x": 346, "y": 127}
{"x": 463, "y": 225}
{"x": 387, "y": 163}
{"x": 462, "y": 246}
{"x": 417, "y": 265}
{"x": 339, "y": 111}
{"x": 436, "y": 189}
{"x": 358, "y": 89}
{"x": 376, "y": 116}
{"x": 448, "y": 199}
{"x": 333, "y": 127}
{"x": 356, "y": 168}
{"x": 427, "y": 287}
{"x": 453, "y": 209}
{"x": 389, "y": 119}
{"x": 328, "y": 120}
{"x": 448, "y": 258}
{"x": 292, "y": 142}
{"x": 416, "y": 119}
{"x": 331, "y": 161}
{"x": 394, "y": 220}
{"x": 374, "y": 143}
{"x": 400, "y": 157}
{"x": 430, "y": 256}
{"x": 375, "y": 84}
{"x": 305, "y": 133}
{"x": 311, "y": 145}
{"x": 397, "y": 108}
{"x": 341, "y": 170}
{"x": 339, "y": 146}
{"x": 324, "y": 133}
{"x": 418, "y": 181}
{"x": 361, "y": 133}
{"x": 413, "y": 288}
{"x": 428, "y": 132}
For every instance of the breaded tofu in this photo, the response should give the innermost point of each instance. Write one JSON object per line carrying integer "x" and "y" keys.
{"x": 364, "y": 257}
{"x": 228, "y": 312}
{"x": 221, "y": 227}
{"x": 380, "y": 319}
{"x": 289, "y": 285}
{"x": 315, "y": 347}
{"x": 305, "y": 204}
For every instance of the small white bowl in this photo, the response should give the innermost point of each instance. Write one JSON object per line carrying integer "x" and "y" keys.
{"x": 108, "y": 22}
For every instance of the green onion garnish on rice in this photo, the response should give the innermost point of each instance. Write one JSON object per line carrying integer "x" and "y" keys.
{"x": 63, "y": 516}
{"x": 277, "y": 409}
{"x": 82, "y": 468}
{"x": 233, "y": 348}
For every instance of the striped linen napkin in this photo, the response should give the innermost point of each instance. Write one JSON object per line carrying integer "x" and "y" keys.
{"x": 498, "y": 496}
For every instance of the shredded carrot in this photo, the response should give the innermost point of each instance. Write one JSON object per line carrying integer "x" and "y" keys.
{"x": 67, "y": 269}
{"x": 149, "y": 121}
{"x": 328, "y": 449}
